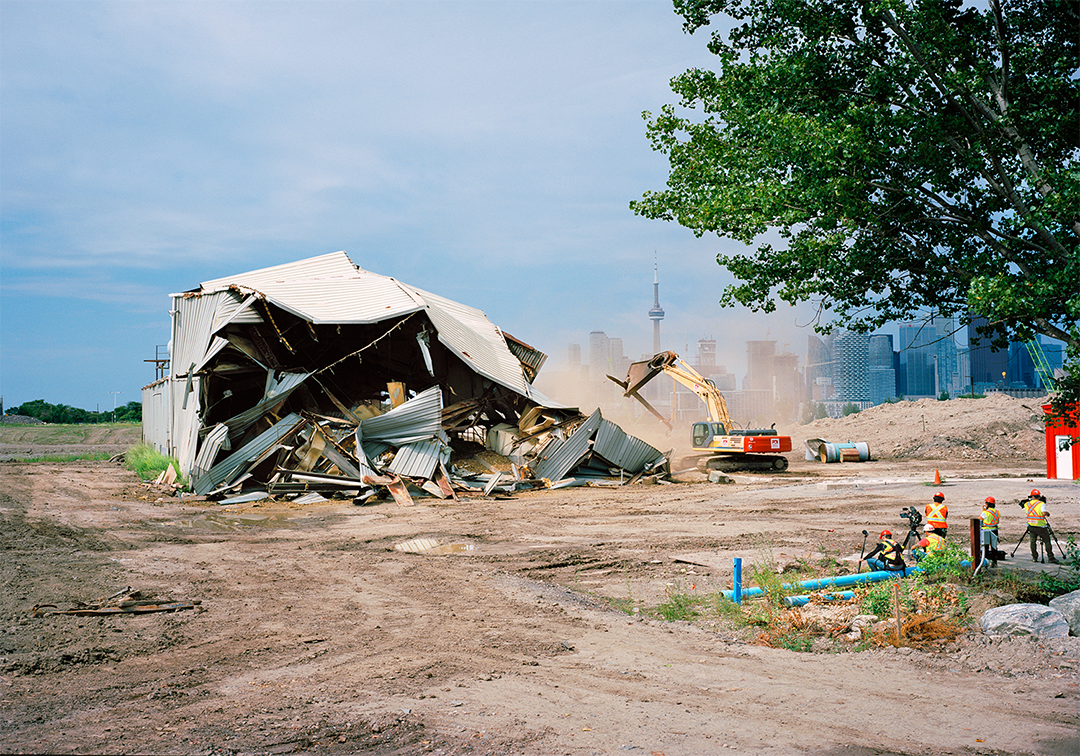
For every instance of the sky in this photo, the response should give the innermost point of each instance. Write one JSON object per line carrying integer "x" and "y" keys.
{"x": 484, "y": 151}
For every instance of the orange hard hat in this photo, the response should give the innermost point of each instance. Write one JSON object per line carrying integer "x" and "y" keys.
{"x": 1035, "y": 492}
{"x": 990, "y": 500}
{"x": 939, "y": 495}
{"x": 886, "y": 533}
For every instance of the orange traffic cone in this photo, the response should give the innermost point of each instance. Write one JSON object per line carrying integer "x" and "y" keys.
{"x": 937, "y": 478}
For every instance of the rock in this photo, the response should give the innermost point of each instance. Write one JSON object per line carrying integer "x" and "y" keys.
{"x": 715, "y": 476}
{"x": 1069, "y": 606}
{"x": 1025, "y": 619}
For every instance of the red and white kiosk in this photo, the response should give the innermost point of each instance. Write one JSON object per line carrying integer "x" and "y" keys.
{"x": 1062, "y": 460}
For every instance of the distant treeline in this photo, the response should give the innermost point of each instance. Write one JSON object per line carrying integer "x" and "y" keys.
{"x": 61, "y": 413}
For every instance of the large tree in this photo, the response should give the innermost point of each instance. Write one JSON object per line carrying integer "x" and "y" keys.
{"x": 913, "y": 157}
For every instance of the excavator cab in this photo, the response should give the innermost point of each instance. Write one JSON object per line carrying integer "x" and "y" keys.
{"x": 702, "y": 433}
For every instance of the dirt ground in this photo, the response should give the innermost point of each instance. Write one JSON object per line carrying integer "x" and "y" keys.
{"x": 315, "y": 635}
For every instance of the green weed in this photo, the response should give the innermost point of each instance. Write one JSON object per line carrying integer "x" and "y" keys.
{"x": 148, "y": 463}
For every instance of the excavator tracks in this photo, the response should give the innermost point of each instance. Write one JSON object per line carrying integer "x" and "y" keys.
{"x": 742, "y": 463}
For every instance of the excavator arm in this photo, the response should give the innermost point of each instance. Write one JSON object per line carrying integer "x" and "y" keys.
{"x": 668, "y": 363}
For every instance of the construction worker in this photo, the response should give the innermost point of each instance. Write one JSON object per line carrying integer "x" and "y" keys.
{"x": 937, "y": 514}
{"x": 1038, "y": 527}
{"x": 887, "y": 554}
{"x": 990, "y": 519}
{"x": 931, "y": 542}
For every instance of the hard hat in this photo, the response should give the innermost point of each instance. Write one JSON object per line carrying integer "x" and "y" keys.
{"x": 990, "y": 500}
{"x": 886, "y": 534}
{"x": 1035, "y": 492}
{"x": 939, "y": 495}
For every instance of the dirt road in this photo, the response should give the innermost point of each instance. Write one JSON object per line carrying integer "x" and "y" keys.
{"x": 316, "y": 635}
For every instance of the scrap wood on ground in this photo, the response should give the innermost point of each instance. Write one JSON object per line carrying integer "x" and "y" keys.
{"x": 126, "y": 601}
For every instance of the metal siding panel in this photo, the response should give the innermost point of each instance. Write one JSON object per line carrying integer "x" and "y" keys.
{"x": 223, "y": 471}
{"x": 420, "y": 458}
{"x": 186, "y": 423}
{"x": 155, "y": 415}
{"x": 623, "y": 450}
{"x": 557, "y": 463}
{"x": 193, "y": 327}
{"x": 418, "y": 419}
{"x": 211, "y": 445}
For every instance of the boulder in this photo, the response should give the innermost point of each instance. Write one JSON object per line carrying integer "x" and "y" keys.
{"x": 1069, "y": 606}
{"x": 1025, "y": 619}
{"x": 715, "y": 476}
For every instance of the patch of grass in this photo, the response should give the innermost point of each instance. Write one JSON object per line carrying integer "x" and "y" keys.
{"x": 148, "y": 463}
{"x": 92, "y": 456}
{"x": 680, "y": 605}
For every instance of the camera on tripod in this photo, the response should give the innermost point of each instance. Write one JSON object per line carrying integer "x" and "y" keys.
{"x": 913, "y": 516}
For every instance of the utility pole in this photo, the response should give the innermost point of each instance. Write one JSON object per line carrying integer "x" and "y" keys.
{"x": 114, "y": 393}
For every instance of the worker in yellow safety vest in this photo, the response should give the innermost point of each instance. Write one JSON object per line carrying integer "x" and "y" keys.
{"x": 937, "y": 515}
{"x": 990, "y": 518}
{"x": 887, "y": 554}
{"x": 1038, "y": 527}
{"x": 932, "y": 541}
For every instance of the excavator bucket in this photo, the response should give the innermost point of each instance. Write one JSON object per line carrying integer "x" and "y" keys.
{"x": 641, "y": 373}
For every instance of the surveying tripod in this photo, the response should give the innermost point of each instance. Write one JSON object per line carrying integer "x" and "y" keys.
{"x": 1053, "y": 535}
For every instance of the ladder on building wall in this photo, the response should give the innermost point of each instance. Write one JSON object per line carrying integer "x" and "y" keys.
{"x": 1042, "y": 367}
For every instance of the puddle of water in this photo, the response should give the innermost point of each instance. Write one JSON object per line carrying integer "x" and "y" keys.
{"x": 214, "y": 521}
{"x": 432, "y": 546}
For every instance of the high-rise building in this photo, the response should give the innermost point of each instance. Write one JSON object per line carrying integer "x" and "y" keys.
{"x": 851, "y": 372}
{"x": 947, "y": 364}
{"x": 989, "y": 366}
{"x": 599, "y": 356}
{"x": 819, "y": 368}
{"x": 882, "y": 374}
{"x": 917, "y": 358}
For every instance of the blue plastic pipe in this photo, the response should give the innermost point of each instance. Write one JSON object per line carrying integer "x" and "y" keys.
{"x": 800, "y": 600}
{"x": 832, "y": 582}
{"x": 736, "y": 594}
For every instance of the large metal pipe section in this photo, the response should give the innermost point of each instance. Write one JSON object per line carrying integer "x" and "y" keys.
{"x": 819, "y": 448}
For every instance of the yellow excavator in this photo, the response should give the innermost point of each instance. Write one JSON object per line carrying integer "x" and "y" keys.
{"x": 717, "y": 443}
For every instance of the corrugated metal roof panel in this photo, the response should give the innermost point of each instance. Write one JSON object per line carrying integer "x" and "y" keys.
{"x": 476, "y": 340}
{"x": 556, "y": 462}
{"x": 623, "y": 450}
{"x": 327, "y": 289}
{"x": 528, "y": 355}
{"x": 418, "y": 419}
{"x": 335, "y": 264}
{"x": 420, "y": 458}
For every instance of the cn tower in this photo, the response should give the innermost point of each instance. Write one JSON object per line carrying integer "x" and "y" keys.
{"x": 656, "y": 314}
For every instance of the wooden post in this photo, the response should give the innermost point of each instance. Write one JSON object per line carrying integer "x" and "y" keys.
{"x": 896, "y": 596}
{"x": 976, "y": 542}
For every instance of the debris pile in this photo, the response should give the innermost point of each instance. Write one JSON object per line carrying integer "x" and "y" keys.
{"x": 321, "y": 378}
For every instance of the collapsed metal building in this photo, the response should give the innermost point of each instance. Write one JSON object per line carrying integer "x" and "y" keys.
{"x": 318, "y": 375}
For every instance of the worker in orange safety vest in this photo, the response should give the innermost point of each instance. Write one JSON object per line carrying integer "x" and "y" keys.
{"x": 937, "y": 514}
{"x": 1038, "y": 528}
